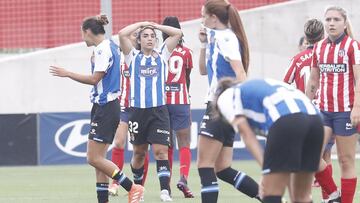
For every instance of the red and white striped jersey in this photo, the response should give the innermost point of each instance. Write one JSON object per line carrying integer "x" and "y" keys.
{"x": 299, "y": 70}
{"x": 176, "y": 88}
{"x": 335, "y": 61}
{"x": 124, "y": 85}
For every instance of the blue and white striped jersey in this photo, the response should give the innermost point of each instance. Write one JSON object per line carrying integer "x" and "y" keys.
{"x": 106, "y": 58}
{"x": 223, "y": 46}
{"x": 262, "y": 102}
{"x": 148, "y": 75}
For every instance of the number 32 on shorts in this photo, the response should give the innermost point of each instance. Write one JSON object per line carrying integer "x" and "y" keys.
{"x": 133, "y": 127}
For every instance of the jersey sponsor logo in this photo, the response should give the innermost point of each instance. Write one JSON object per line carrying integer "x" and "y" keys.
{"x": 332, "y": 68}
{"x": 172, "y": 87}
{"x": 146, "y": 71}
{"x": 70, "y": 136}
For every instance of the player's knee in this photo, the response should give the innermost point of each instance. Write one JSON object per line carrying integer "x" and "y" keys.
{"x": 161, "y": 154}
{"x": 183, "y": 142}
{"x": 92, "y": 160}
{"x": 139, "y": 156}
{"x": 119, "y": 143}
{"x": 346, "y": 161}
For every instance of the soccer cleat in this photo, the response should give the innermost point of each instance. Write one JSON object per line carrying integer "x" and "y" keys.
{"x": 165, "y": 196}
{"x": 334, "y": 197}
{"x": 113, "y": 189}
{"x": 135, "y": 194}
{"x": 336, "y": 200}
{"x": 182, "y": 186}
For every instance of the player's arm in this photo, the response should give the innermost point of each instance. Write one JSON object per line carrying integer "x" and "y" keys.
{"x": 249, "y": 138}
{"x": 290, "y": 72}
{"x": 202, "y": 59}
{"x": 313, "y": 83}
{"x": 230, "y": 50}
{"x": 238, "y": 68}
{"x": 187, "y": 77}
{"x": 355, "y": 112}
{"x": 85, "y": 79}
{"x": 124, "y": 36}
{"x": 189, "y": 66}
{"x": 174, "y": 35}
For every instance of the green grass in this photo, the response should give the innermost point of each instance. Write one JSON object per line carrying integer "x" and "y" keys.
{"x": 76, "y": 184}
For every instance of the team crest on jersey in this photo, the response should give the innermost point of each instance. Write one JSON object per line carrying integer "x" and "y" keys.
{"x": 341, "y": 52}
{"x": 99, "y": 52}
{"x": 154, "y": 54}
{"x": 148, "y": 71}
{"x": 126, "y": 73}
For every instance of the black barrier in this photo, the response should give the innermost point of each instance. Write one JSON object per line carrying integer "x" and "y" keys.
{"x": 18, "y": 139}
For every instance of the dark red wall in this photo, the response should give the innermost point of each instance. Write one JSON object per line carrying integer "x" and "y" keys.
{"x": 50, "y": 23}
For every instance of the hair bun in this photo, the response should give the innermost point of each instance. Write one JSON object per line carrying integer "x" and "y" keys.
{"x": 102, "y": 18}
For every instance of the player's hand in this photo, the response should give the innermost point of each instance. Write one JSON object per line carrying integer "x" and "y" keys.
{"x": 148, "y": 24}
{"x": 355, "y": 116}
{"x": 203, "y": 35}
{"x": 57, "y": 71}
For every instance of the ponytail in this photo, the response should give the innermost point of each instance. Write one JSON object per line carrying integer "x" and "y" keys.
{"x": 95, "y": 24}
{"x": 348, "y": 29}
{"x": 238, "y": 28}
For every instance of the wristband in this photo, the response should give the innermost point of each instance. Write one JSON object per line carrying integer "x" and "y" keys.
{"x": 203, "y": 45}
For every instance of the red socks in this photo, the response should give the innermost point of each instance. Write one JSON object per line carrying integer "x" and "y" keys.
{"x": 170, "y": 158}
{"x": 146, "y": 167}
{"x": 323, "y": 192}
{"x": 348, "y": 187}
{"x": 325, "y": 180}
{"x": 117, "y": 156}
{"x": 185, "y": 160}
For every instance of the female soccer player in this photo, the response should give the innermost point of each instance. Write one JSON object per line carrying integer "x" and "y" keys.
{"x": 178, "y": 103}
{"x": 336, "y": 72}
{"x": 298, "y": 71}
{"x": 117, "y": 153}
{"x": 224, "y": 42}
{"x": 105, "y": 112}
{"x": 290, "y": 122}
{"x": 149, "y": 119}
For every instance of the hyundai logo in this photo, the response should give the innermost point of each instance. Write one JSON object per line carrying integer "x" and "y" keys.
{"x": 69, "y": 142}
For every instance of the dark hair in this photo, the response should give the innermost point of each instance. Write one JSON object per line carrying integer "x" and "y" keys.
{"x": 301, "y": 40}
{"x": 314, "y": 30}
{"x": 228, "y": 14}
{"x": 223, "y": 85}
{"x": 95, "y": 24}
{"x": 172, "y": 21}
{"x": 138, "y": 45}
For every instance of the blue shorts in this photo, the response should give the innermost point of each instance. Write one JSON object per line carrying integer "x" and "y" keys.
{"x": 179, "y": 116}
{"x": 339, "y": 122}
{"x": 125, "y": 114}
